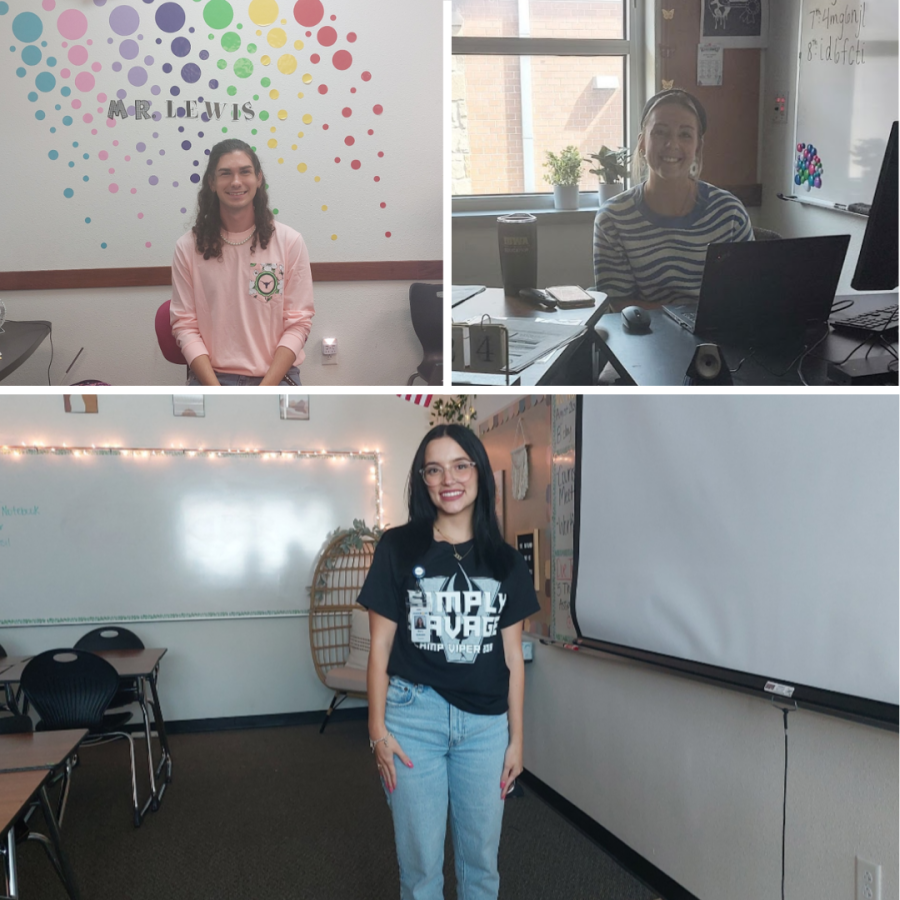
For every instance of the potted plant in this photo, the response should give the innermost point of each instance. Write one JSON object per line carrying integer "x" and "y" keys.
{"x": 564, "y": 175}
{"x": 612, "y": 169}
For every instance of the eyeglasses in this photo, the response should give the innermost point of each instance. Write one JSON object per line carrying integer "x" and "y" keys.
{"x": 461, "y": 471}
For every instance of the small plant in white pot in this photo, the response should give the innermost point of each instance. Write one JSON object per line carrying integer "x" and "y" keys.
{"x": 564, "y": 175}
{"x": 612, "y": 169}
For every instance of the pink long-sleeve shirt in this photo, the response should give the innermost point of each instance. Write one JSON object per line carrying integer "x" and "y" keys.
{"x": 240, "y": 308}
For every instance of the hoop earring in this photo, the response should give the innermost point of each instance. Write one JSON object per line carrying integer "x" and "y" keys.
{"x": 694, "y": 170}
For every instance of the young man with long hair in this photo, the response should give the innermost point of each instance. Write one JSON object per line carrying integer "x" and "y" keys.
{"x": 242, "y": 299}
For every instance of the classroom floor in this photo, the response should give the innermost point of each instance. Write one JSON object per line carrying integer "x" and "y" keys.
{"x": 284, "y": 814}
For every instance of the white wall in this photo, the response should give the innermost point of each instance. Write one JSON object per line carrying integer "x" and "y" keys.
{"x": 691, "y": 777}
{"x": 376, "y": 341}
{"x": 198, "y": 677}
{"x": 105, "y": 212}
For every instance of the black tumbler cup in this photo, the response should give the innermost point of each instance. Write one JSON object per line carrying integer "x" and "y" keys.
{"x": 517, "y": 234}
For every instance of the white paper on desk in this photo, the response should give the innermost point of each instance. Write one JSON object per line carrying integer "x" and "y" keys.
{"x": 709, "y": 64}
{"x": 530, "y": 339}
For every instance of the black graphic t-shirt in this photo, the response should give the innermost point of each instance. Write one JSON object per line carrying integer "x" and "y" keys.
{"x": 449, "y": 614}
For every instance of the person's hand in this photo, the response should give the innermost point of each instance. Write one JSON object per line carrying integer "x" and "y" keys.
{"x": 384, "y": 759}
{"x": 512, "y": 768}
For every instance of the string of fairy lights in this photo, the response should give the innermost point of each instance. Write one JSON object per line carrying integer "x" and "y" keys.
{"x": 373, "y": 457}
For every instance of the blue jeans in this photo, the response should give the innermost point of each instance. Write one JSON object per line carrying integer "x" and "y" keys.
{"x": 457, "y": 760}
{"x": 229, "y": 379}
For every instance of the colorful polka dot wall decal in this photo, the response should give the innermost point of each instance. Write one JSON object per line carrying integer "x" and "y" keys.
{"x": 163, "y": 54}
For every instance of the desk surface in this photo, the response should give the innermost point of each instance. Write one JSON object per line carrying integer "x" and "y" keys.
{"x": 661, "y": 355}
{"x": 18, "y": 341}
{"x": 494, "y": 302}
{"x": 128, "y": 663}
{"x": 37, "y": 750}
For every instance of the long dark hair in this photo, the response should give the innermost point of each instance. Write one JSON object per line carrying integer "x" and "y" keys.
{"x": 490, "y": 548}
{"x": 208, "y": 227}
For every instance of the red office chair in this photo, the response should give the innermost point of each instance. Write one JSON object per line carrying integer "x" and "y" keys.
{"x": 167, "y": 343}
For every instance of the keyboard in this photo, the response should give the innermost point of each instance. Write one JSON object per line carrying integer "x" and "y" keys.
{"x": 877, "y": 321}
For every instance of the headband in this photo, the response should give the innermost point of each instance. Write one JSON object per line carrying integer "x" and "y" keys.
{"x": 676, "y": 94}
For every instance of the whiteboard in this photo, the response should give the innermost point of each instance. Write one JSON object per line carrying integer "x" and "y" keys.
{"x": 94, "y": 537}
{"x": 846, "y": 94}
{"x": 754, "y": 533}
{"x": 347, "y": 123}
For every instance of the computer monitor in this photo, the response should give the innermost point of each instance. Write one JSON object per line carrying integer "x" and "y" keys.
{"x": 876, "y": 267}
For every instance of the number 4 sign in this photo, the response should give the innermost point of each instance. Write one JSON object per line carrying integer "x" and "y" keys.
{"x": 488, "y": 347}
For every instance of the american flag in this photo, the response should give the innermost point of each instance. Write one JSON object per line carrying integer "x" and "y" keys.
{"x": 418, "y": 399}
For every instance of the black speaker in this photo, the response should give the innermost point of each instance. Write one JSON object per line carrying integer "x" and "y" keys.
{"x": 707, "y": 366}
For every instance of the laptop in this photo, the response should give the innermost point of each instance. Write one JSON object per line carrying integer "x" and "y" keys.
{"x": 764, "y": 290}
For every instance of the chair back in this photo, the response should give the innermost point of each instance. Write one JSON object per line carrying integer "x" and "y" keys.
{"x": 16, "y": 725}
{"x": 337, "y": 580}
{"x": 2, "y": 652}
{"x": 426, "y": 308}
{"x": 69, "y": 688}
{"x": 766, "y": 234}
{"x": 166, "y": 340}
{"x": 110, "y": 637}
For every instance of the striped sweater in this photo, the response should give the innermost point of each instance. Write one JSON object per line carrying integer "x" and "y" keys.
{"x": 641, "y": 255}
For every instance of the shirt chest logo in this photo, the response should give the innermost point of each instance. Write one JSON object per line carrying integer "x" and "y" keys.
{"x": 265, "y": 280}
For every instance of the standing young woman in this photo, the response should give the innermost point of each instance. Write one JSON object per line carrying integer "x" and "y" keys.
{"x": 446, "y": 680}
{"x": 650, "y": 241}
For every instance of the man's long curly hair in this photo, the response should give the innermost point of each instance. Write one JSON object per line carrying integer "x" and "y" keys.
{"x": 208, "y": 227}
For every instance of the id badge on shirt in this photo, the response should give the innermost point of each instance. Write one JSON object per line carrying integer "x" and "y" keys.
{"x": 418, "y": 618}
{"x": 265, "y": 280}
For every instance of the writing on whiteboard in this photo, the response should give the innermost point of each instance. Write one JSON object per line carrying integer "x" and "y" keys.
{"x": 839, "y": 31}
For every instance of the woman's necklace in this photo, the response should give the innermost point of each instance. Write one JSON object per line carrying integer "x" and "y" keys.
{"x": 453, "y": 546}
{"x": 238, "y": 243}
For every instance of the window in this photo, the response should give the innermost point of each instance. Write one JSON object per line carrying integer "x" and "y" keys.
{"x": 531, "y": 76}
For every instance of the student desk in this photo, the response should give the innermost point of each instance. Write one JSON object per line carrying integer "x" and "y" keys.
{"x": 661, "y": 355}
{"x": 141, "y": 667}
{"x": 571, "y": 364}
{"x": 17, "y": 789}
{"x": 18, "y": 341}
{"x": 36, "y": 749}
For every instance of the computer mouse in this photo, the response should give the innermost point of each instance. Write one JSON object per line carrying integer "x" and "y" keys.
{"x": 635, "y": 319}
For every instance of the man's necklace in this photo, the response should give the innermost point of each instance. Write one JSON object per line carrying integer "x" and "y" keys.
{"x": 238, "y": 243}
{"x": 453, "y": 546}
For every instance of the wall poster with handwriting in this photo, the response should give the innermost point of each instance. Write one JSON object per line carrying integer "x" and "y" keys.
{"x": 563, "y": 514}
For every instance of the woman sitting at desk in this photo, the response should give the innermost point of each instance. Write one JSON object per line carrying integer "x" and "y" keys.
{"x": 650, "y": 241}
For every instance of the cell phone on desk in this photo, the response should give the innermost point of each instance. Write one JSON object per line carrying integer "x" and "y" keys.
{"x": 571, "y": 296}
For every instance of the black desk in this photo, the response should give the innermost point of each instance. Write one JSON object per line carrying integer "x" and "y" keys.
{"x": 661, "y": 356}
{"x": 571, "y": 364}
{"x": 18, "y": 341}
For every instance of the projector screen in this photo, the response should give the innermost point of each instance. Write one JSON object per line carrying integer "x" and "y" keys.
{"x": 752, "y": 540}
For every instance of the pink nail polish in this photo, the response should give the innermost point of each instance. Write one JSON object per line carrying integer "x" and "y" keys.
{"x": 410, "y": 764}
{"x": 502, "y": 784}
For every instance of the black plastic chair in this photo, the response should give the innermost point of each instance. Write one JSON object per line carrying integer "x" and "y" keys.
{"x": 15, "y": 702}
{"x": 765, "y": 234}
{"x": 426, "y": 308}
{"x": 115, "y": 637}
{"x": 73, "y": 689}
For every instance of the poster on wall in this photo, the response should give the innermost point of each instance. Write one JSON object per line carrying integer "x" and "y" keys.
{"x": 735, "y": 23}
{"x": 112, "y": 110}
{"x": 563, "y": 515}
